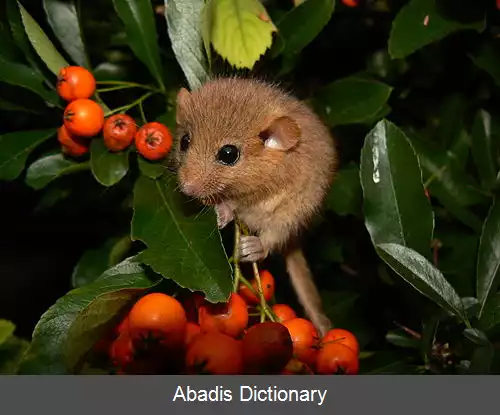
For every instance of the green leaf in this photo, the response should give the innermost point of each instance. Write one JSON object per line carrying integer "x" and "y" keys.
{"x": 183, "y": 21}
{"x": 11, "y": 352}
{"x": 107, "y": 167}
{"x": 481, "y": 361}
{"x": 21, "y": 75}
{"x": 10, "y": 106}
{"x": 490, "y": 318}
{"x": 395, "y": 206}
{"x": 22, "y": 41}
{"x": 487, "y": 58}
{"x": 240, "y": 31}
{"x": 63, "y": 18}
{"x": 50, "y": 167}
{"x": 346, "y": 195}
{"x": 418, "y": 24}
{"x": 483, "y": 149}
{"x": 6, "y": 330}
{"x": 150, "y": 169}
{"x": 69, "y": 329}
{"x": 351, "y": 100}
{"x": 95, "y": 261}
{"x": 41, "y": 43}
{"x": 401, "y": 339}
{"x": 138, "y": 18}
{"x": 476, "y": 336}
{"x": 302, "y": 24}
{"x": 445, "y": 178}
{"x": 183, "y": 245}
{"x": 488, "y": 260}
{"x": 15, "y": 149}
{"x": 384, "y": 363}
{"x": 423, "y": 276}
{"x": 457, "y": 259}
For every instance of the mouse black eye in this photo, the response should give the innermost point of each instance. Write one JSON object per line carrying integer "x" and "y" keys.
{"x": 228, "y": 155}
{"x": 185, "y": 141}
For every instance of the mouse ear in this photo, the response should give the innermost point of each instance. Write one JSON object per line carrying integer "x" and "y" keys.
{"x": 283, "y": 134}
{"x": 183, "y": 97}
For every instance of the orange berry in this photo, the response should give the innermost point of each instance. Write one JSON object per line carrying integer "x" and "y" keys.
{"x": 305, "y": 339}
{"x": 83, "y": 117}
{"x": 341, "y": 336}
{"x": 283, "y": 312}
{"x": 75, "y": 82}
{"x": 72, "y": 145}
{"x": 335, "y": 358}
{"x": 268, "y": 285}
{"x": 161, "y": 316}
{"x": 153, "y": 141}
{"x": 230, "y": 318}
{"x": 214, "y": 353}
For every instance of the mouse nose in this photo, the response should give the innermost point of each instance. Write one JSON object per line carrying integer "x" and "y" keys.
{"x": 190, "y": 188}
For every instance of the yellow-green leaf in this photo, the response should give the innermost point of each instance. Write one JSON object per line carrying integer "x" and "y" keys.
{"x": 240, "y": 31}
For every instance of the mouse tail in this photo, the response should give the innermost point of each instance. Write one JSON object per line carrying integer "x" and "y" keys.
{"x": 305, "y": 288}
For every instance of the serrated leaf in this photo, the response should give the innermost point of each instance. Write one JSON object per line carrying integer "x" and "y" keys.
{"x": 21, "y": 75}
{"x": 241, "y": 31}
{"x": 15, "y": 149}
{"x": 138, "y": 19}
{"x": 446, "y": 179}
{"x": 351, "y": 100}
{"x": 183, "y": 18}
{"x": 206, "y": 23}
{"x": 488, "y": 260}
{"x": 107, "y": 167}
{"x": 483, "y": 150}
{"x": 69, "y": 329}
{"x": 183, "y": 245}
{"x": 62, "y": 16}
{"x": 346, "y": 196}
{"x": 417, "y": 271}
{"x": 6, "y": 330}
{"x": 303, "y": 23}
{"x": 420, "y": 23}
{"x": 41, "y": 43}
{"x": 48, "y": 168}
{"x": 395, "y": 206}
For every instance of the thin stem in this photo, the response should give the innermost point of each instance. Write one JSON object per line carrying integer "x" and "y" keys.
{"x": 263, "y": 304}
{"x": 125, "y": 108}
{"x": 236, "y": 261}
{"x": 114, "y": 88}
{"x": 143, "y": 115}
{"x": 127, "y": 84}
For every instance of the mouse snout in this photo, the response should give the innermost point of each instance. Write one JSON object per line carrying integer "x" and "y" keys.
{"x": 191, "y": 188}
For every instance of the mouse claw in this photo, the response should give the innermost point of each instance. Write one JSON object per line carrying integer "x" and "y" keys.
{"x": 251, "y": 249}
{"x": 224, "y": 215}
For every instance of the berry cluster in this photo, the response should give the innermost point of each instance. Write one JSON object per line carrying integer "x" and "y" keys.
{"x": 84, "y": 119}
{"x": 189, "y": 335}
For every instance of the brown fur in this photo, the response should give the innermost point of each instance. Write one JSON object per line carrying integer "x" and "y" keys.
{"x": 274, "y": 192}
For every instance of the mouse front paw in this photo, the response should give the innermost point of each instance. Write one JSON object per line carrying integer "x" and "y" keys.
{"x": 224, "y": 214}
{"x": 251, "y": 249}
